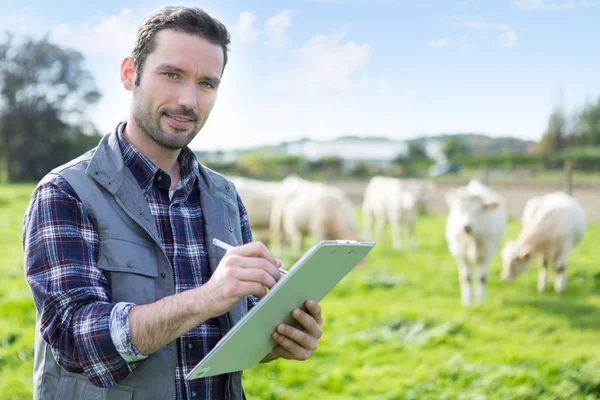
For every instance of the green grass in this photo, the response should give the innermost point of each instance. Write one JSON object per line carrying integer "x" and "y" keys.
{"x": 393, "y": 328}
{"x": 17, "y": 312}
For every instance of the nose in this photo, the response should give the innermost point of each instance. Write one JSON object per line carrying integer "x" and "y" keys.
{"x": 468, "y": 229}
{"x": 188, "y": 96}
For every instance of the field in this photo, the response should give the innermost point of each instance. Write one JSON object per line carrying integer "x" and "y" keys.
{"x": 394, "y": 328}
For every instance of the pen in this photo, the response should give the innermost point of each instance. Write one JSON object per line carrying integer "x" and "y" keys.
{"x": 225, "y": 246}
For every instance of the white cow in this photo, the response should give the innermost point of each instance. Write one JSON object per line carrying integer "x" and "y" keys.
{"x": 423, "y": 189}
{"x": 394, "y": 201}
{"x": 257, "y": 196}
{"x": 289, "y": 187}
{"x": 312, "y": 208}
{"x": 551, "y": 225}
{"x": 474, "y": 229}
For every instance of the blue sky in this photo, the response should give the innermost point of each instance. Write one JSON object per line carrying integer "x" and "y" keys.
{"x": 325, "y": 68}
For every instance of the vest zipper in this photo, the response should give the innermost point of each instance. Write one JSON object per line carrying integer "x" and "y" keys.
{"x": 166, "y": 257}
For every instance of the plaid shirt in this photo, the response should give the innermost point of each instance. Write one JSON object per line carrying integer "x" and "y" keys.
{"x": 86, "y": 332}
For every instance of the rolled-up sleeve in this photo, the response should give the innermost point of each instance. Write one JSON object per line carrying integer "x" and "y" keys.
{"x": 71, "y": 294}
{"x": 121, "y": 334}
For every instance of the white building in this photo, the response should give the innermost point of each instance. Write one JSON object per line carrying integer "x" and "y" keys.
{"x": 351, "y": 149}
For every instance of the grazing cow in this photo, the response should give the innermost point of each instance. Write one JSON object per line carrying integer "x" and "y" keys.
{"x": 310, "y": 208}
{"x": 395, "y": 201}
{"x": 551, "y": 225}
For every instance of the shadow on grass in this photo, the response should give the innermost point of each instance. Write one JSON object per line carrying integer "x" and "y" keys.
{"x": 583, "y": 316}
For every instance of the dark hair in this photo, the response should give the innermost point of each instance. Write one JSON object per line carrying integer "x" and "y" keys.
{"x": 191, "y": 20}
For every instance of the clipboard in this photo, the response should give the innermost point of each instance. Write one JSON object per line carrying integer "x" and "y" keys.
{"x": 313, "y": 276}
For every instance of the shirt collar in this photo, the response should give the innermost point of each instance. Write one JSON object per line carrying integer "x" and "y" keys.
{"x": 147, "y": 172}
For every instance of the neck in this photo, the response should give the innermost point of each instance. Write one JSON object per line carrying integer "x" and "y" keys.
{"x": 165, "y": 159}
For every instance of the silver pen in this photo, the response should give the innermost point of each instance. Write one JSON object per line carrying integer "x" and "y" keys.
{"x": 225, "y": 246}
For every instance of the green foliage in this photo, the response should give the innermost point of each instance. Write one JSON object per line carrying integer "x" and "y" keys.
{"x": 456, "y": 146}
{"x": 362, "y": 169}
{"x": 44, "y": 88}
{"x": 587, "y": 129}
{"x": 332, "y": 165}
{"x": 585, "y": 158}
{"x": 555, "y": 137}
{"x": 393, "y": 328}
{"x": 416, "y": 150}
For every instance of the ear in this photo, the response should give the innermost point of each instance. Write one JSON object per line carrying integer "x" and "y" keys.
{"x": 128, "y": 73}
{"x": 491, "y": 206}
{"x": 525, "y": 252}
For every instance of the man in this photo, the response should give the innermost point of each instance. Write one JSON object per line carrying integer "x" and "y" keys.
{"x": 130, "y": 293}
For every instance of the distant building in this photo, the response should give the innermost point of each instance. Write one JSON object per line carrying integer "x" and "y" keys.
{"x": 376, "y": 151}
{"x": 434, "y": 149}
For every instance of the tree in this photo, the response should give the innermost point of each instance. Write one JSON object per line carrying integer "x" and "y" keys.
{"x": 587, "y": 128}
{"x": 416, "y": 150}
{"x": 45, "y": 91}
{"x": 555, "y": 137}
{"x": 455, "y": 146}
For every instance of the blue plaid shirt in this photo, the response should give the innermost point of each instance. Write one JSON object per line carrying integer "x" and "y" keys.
{"x": 72, "y": 295}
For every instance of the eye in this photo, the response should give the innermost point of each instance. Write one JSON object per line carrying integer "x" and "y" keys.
{"x": 207, "y": 85}
{"x": 170, "y": 75}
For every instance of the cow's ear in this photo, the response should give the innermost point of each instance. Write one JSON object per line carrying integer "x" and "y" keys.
{"x": 491, "y": 206}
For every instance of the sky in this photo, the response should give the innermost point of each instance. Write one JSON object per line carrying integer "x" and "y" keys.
{"x": 328, "y": 68}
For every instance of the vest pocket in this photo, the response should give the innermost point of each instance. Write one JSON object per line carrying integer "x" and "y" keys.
{"x": 72, "y": 386}
{"x": 130, "y": 268}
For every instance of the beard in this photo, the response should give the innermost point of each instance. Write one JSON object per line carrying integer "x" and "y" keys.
{"x": 151, "y": 126}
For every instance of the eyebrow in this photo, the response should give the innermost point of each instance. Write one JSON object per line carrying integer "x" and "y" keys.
{"x": 172, "y": 68}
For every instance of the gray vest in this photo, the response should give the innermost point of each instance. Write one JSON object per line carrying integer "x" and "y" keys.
{"x": 137, "y": 269}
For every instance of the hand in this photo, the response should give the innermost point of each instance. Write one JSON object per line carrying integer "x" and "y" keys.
{"x": 300, "y": 342}
{"x": 244, "y": 270}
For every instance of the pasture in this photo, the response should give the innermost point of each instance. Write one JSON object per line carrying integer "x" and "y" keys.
{"x": 393, "y": 328}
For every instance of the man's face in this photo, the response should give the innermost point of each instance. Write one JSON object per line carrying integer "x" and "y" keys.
{"x": 178, "y": 88}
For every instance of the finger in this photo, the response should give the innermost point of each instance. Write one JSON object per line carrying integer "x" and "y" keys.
{"x": 256, "y": 275}
{"x": 259, "y": 264}
{"x": 315, "y": 310}
{"x": 293, "y": 349}
{"x": 283, "y": 353}
{"x": 301, "y": 337}
{"x": 308, "y": 322}
{"x": 251, "y": 288}
{"x": 255, "y": 249}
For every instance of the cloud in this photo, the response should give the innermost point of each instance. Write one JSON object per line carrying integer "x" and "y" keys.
{"x": 20, "y": 25}
{"x": 544, "y": 4}
{"x": 244, "y": 29}
{"x": 100, "y": 35}
{"x": 590, "y": 3}
{"x": 507, "y": 37}
{"x": 276, "y": 27}
{"x": 104, "y": 41}
{"x": 321, "y": 89}
{"x": 440, "y": 43}
{"x": 355, "y": 2}
{"x": 327, "y": 61}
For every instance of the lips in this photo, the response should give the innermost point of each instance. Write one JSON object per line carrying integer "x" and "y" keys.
{"x": 180, "y": 121}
